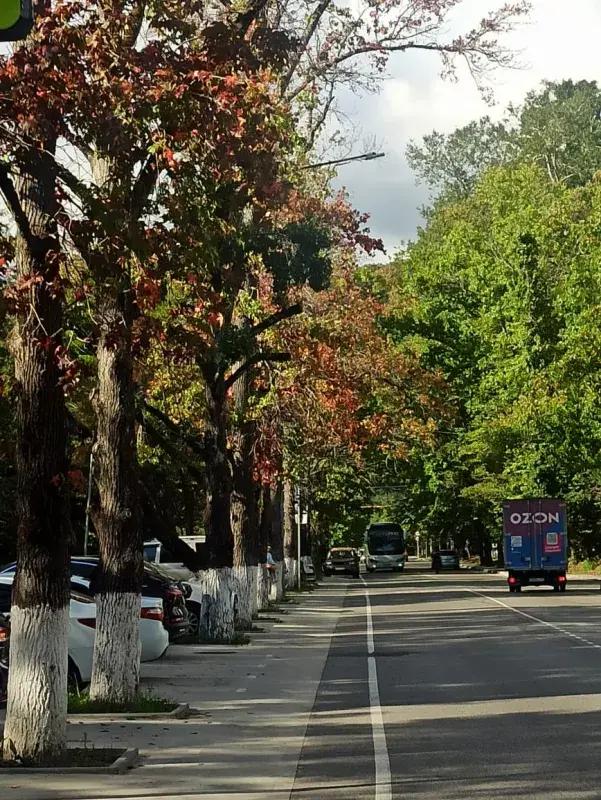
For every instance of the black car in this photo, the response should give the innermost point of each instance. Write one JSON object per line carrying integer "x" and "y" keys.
{"x": 445, "y": 559}
{"x": 342, "y": 560}
{"x": 155, "y": 583}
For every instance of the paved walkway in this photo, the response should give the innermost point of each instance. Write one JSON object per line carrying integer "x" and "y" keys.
{"x": 247, "y": 734}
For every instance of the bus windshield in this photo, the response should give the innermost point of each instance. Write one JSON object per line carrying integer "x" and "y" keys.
{"x": 385, "y": 542}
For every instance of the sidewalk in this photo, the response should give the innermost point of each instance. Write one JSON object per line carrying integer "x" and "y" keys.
{"x": 252, "y": 704}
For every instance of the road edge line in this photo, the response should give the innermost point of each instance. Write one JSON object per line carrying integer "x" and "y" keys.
{"x": 531, "y": 617}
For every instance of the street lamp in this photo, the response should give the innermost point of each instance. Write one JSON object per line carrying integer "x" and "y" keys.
{"x": 333, "y": 162}
{"x": 16, "y": 19}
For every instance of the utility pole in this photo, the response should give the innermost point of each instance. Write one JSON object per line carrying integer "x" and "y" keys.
{"x": 299, "y": 523}
{"x": 88, "y": 504}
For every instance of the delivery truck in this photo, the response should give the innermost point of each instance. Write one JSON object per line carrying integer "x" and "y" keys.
{"x": 535, "y": 540}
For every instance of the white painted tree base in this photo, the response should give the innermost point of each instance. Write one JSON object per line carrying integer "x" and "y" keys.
{"x": 36, "y": 716}
{"x": 263, "y": 587}
{"x": 276, "y": 592}
{"x": 291, "y": 581}
{"x": 116, "y": 669}
{"x": 245, "y": 593}
{"x": 219, "y": 597}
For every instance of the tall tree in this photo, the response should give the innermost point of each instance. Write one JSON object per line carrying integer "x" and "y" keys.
{"x": 36, "y": 716}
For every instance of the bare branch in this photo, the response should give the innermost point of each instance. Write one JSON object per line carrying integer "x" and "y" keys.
{"x": 278, "y": 316}
{"x": 255, "y": 359}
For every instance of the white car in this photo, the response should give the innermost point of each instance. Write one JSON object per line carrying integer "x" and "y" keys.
{"x": 82, "y": 624}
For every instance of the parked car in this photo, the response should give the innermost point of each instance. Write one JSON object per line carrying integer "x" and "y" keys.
{"x": 4, "y": 640}
{"x": 154, "y": 638}
{"x": 81, "y": 635}
{"x": 343, "y": 560}
{"x": 445, "y": 559}
{"x": 155, "y": 583}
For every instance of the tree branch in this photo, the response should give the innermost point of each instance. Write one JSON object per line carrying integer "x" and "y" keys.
{"x": 9, "y": 192}
{"x": 257, "y": 358}
{"x": 278, "y": 316}
{"x": 192, "y": 443}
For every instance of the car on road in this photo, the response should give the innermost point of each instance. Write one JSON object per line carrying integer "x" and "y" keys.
{"x": 342, "y": 560}
{"x": 445, "y": 559}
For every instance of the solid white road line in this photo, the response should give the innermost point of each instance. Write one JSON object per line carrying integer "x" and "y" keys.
{"x": 536, "y": 619}
{"x": 378, "y": 734}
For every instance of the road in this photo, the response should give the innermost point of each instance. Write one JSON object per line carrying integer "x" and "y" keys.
{"x": 479, "y": 693}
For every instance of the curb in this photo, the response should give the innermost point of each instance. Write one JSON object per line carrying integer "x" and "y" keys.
{"x": 126, "y": 761}
{"x": 181, "y": 711}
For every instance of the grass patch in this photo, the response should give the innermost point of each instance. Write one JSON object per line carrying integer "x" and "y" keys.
{"x": 141, "y": 704}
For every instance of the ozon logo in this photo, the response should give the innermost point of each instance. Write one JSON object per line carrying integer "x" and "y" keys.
{"x": 540, "y": 517}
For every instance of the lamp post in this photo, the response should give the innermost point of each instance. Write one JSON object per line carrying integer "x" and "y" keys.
{"x": 298, "y": 536}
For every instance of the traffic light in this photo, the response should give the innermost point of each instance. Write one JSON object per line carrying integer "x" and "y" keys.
{"x": 16, "y": 19}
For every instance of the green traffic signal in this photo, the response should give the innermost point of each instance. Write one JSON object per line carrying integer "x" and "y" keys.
{"x": 16, "y": 19}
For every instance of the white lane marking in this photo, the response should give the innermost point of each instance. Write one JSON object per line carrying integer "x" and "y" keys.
{"x": 378, "y": 733}
{"x": 536, "y": 619}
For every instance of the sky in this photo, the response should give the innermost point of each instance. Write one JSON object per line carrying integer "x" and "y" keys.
{"x": 560, "y": 40}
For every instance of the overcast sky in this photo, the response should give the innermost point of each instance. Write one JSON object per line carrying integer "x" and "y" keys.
{"x": 561, "y": 40}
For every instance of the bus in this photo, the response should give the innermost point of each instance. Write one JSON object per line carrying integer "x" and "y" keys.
{"x": 384, "y": 547}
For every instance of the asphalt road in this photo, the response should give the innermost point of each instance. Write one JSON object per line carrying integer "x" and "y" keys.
{"x": 482, "y": 694}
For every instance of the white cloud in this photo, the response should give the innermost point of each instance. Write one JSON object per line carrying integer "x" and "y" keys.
{"x": 561, "y": 40}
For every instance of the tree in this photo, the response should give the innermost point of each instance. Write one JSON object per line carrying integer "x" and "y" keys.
{"x": 349, "y": 47}
{"x": 558, "y": 127}
{"x": 496, "y": 292}
{"x": 36, "y": 715}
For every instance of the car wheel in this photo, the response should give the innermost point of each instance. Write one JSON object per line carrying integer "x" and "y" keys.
{"x": 193, "y": 616}
{"x": 74, "y": 682}
{"x": 518, "y": 588}
{"x": 562, "y": 587}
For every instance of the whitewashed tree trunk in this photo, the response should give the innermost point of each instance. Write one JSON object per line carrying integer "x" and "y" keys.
{"x": 219, "y": 589}
{"x": 292, "y": 573}
{"x": 36, "y": 716}
{"x": 276, "y": 592}
{"x": 116, "y": 669}
{"x": 263, "y": 587}
{"x": 256, "y": 577}
{"x": 245, "y": 591}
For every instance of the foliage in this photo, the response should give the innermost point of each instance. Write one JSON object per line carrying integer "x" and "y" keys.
{"x": 501, "y": 292}
{"x": 558, "y": 128}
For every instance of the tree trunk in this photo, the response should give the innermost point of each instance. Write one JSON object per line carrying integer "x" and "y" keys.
{"x": 118, "y": 581}
{"x": 219, "y": 581}
{"x": 244, "y": 507}
{"x": 35, "y": 725}
{"x": 218, "y": 474}
{"x": 290, "y": 537}
{"x": 277, "y": 544}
